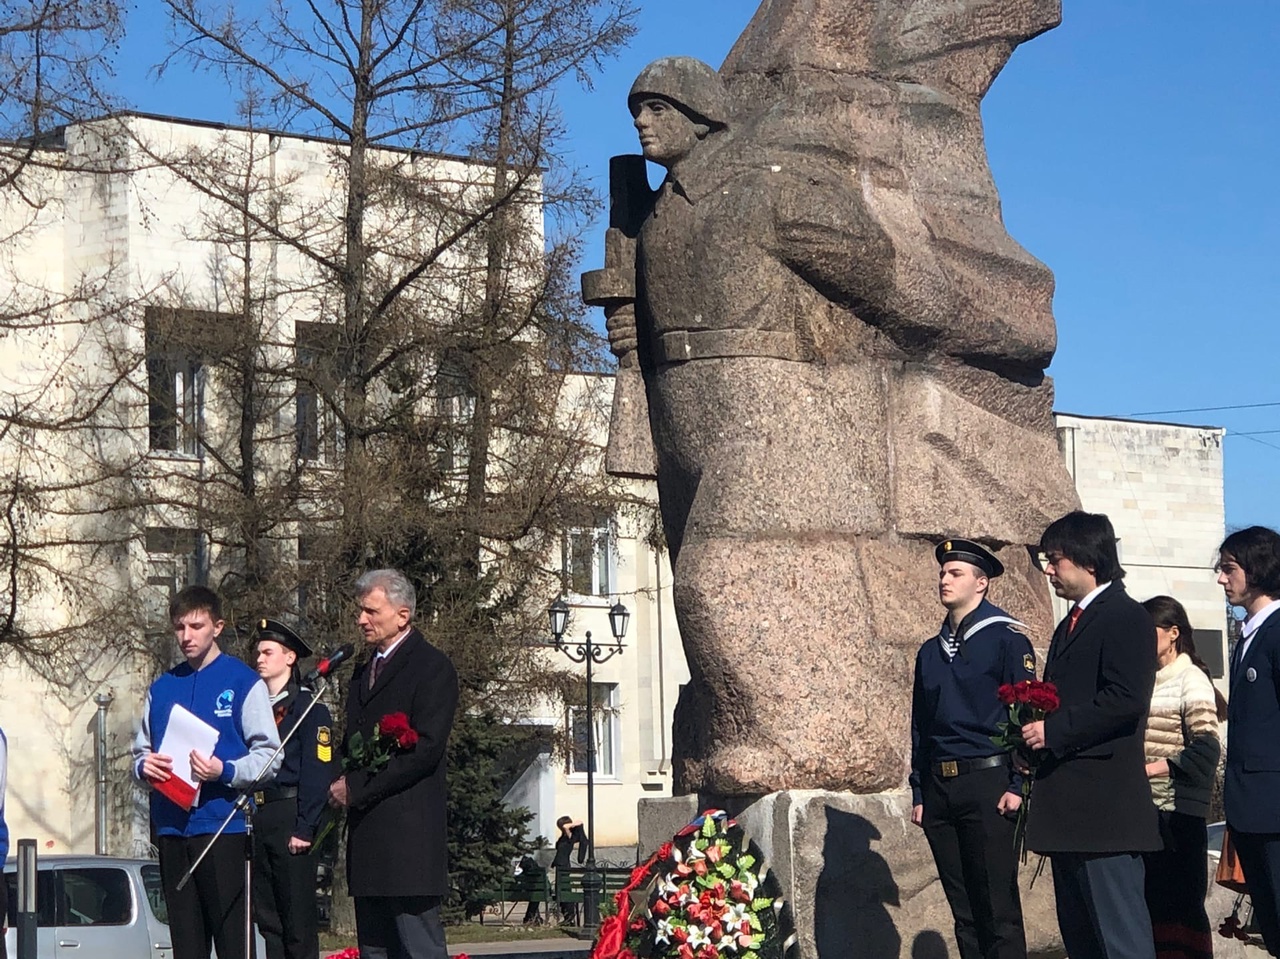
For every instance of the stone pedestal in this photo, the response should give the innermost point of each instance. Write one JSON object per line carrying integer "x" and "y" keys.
{"x": 858, "y": 875}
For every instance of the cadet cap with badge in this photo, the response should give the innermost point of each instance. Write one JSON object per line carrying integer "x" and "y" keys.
{"x": 967, "y": 551}
{"x": 278, "y": 632}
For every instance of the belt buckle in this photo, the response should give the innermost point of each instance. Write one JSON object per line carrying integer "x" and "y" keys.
{"x": 259, "y": 798}
{"x": 950, "y": 769}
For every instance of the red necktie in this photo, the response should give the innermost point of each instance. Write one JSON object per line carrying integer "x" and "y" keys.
{"x": 1073, "y": 619}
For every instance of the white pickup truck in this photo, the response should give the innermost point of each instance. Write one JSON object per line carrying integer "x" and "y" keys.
{"x": 97, "y": 907}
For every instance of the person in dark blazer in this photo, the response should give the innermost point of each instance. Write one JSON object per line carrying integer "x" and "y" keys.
{"x": 397, "y": 865}
{"x": 1091, "y": 811}
{"x": 1249, "y": 573}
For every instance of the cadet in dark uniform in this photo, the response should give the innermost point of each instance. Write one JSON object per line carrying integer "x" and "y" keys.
{"x": 964, "y": 792}
{"x": 290, "y": 807}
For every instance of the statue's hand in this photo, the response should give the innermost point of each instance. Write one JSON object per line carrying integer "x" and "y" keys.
{"x": 621, "y": 327}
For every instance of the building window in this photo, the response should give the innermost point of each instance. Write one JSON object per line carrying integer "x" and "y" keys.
{"x": 606, "y": 730}
{"x": 313, "y": 593}
{"x": 180, "y": 345}
{"x": 588, "y": 560}
{"x": 175, "y": 558}
{"x": 175, "y": 399}
{"x": 455, "y": 410}
{"x": 319, "y": 434}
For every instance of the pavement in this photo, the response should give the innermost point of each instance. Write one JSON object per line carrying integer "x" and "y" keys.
{"x": 527, "y": 949}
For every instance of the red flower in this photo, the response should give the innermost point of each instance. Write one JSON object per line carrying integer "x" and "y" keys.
{"x": 1006, "y": 694}
{"x": 394, "y": 724}
{"x": 664, "y": 851}
{"x": 686, "y": 951}
{"x": 660, "y": 908}
{"x": 700, "y": 867}
{"x": 1043, "y": 696}
{"x": 638, "y": 925}
{"x": 680, "y": 934}
{"x": 407, "y": 739}
{"x": 613, "y": 933}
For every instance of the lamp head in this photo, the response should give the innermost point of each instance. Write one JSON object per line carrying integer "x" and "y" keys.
{"x": 619, "y": 617}
{"x": 558, "y": 614}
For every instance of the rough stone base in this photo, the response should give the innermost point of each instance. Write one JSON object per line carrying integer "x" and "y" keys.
{"x": 858, "y": 875}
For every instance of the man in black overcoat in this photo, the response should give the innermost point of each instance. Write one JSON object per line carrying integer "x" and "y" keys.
{"x": 1091, "y": 810}
{"x": 1249, "y": 573}
{"x": 397, "y": 867}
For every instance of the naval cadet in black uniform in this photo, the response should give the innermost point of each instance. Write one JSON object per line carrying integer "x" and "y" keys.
{"x": 965, "y": 792}
{"x": 291, "y": 806}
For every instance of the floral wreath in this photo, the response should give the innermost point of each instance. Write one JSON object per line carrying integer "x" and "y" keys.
{"x": 705, "y": 895}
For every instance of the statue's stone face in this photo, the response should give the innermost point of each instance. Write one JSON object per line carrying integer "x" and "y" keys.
{"x": 666, "y": 133}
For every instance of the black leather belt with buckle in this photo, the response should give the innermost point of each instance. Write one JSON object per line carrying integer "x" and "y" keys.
{"x": 264, "y": 796}
{"x": 950, "y": 768}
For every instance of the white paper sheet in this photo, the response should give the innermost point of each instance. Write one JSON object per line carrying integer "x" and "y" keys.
{"x": 185, "y": 732}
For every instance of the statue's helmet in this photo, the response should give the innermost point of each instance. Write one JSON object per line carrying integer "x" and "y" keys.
{"x": 686, "y": 82}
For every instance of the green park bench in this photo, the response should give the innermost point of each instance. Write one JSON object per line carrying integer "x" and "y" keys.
{"x": 515, "y": 891}
{"x": 569, "y": 882}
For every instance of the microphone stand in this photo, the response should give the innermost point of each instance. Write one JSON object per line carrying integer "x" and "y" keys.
{"x": 243, "y": 805}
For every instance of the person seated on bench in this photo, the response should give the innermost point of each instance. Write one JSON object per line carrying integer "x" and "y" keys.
{"x": 532, "y": 879}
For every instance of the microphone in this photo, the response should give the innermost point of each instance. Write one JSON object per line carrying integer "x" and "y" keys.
{"x": 330, "y": 663}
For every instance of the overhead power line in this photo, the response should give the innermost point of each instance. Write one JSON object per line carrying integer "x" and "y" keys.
{"x": 1206, "y": 409}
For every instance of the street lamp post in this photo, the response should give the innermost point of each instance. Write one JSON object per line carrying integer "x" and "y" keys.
{"x": 590, "y": 653}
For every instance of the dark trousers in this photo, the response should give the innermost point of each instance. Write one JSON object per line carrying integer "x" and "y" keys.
{"x": 284, "y": 886}
{"x": 1175, "y": 888}
{"x": 211, "y": 909}
{"x": 1259, "y": 854}
{"x": 400, "y": 927}
{"x": 972, "y": 847}
{"x": 1102, "y": 911}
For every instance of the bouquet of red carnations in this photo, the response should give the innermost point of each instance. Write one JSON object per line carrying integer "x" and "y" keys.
{"x": 1029, "y": 701}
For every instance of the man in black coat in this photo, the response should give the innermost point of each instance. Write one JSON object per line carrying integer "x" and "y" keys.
{"x": 1091, "y": 810}
{"x": 1249, "y": 573}
{"x": 397, "y": 867}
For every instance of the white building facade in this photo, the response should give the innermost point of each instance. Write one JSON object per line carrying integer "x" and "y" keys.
{"x": 1162, "y": 486}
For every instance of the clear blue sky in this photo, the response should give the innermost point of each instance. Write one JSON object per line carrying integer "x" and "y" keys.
{"x": 1137, "y": 152}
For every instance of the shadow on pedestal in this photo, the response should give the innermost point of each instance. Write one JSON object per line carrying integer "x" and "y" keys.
{"x": 853, "y": 891}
